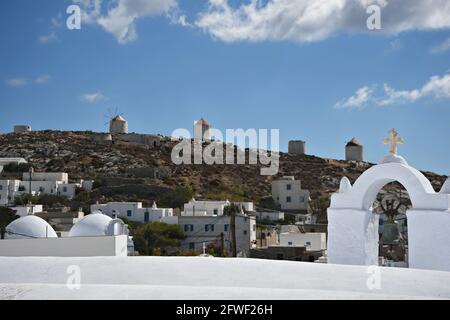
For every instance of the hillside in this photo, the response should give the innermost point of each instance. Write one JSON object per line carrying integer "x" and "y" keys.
{"x": 112, "y": 165}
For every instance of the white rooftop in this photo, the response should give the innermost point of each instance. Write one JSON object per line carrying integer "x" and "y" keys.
{"x": 196, "y": 278}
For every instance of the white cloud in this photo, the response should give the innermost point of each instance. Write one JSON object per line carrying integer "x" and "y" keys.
{"x": 93, "y": 97}
{"x": 358, "y": 100}
{"x": 120, "y": 19}
{"x": 436, "y": 88}
{"x": 17, "y": 82}
{"x": 51, "y": 35}
{"x": 47, "y": 38}
{"x": 441, "y": 48}
{"x": 42, "y": 79}
{"x": 314, "y": 20}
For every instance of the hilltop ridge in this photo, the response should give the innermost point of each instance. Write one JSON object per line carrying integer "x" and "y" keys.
{"x": 129, "y": 168}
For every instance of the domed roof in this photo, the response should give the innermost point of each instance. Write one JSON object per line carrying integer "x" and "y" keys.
{"x": 94, "y": 224}
{"x": 394, "y": 158}
{"x": 29, "y": 227}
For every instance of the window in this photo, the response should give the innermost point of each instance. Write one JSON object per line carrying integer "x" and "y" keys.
{"x": 41, "y": 189}
{"x": 289, "y": 243}
{"x": 254, "y": 227}
{"x": 191, "y": 245}
{"x": 288, "y": 199}
{"x": 302, "y": 199}
{"x": 288, "y": 187}
{"x": 129, "y": 213}
{"x": 209, "y": 227}
{"x": 1, "y": 187}
{"x": 64, "y": 189}
{"x": 216, "y": 212}
{"x": 188, "y": 227}
{"x": 245, "y": 232}
{"x": 225, "y": 227}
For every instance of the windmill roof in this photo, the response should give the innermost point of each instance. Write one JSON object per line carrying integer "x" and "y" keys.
{"x": 353, "y": 143}
{"x": 203, "y": 122}
{"x": 118, "y": 118}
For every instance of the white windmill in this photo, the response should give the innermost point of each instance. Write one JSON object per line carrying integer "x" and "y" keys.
{"x": 116, "y": 121}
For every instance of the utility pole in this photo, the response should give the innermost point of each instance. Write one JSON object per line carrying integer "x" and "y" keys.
{"x": 30, "y": 171}
{"x": 222, "y": 244}
{"x": 233, "y": 233}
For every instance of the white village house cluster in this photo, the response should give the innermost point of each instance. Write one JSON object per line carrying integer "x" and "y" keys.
{"x": 351, "y": 236}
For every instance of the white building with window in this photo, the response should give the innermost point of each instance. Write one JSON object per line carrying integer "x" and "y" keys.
{"x": 8, "y": 191}
{"x": 38, "y": 183}
{"x": 288, "y": 193}
{"x": 29, "y": 209}
{"x": 312, "y": 241}
{"x": 212, "y": 208}
{"x": 269, "y": 216}
{"x": 209, "y": 230}
{"x": 134, "y": 211}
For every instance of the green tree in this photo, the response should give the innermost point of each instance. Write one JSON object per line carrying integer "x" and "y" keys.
{"x": 157, "y": 237}
{"x": 131, "y": 224}
{"x": 175, "y": 198}
{"x": 7, "y": 216}
{"x": 318, "y": 207}
{"x": 25, "y": 198}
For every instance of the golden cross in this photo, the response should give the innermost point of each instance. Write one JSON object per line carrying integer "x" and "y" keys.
{"x": 393, "y": 140}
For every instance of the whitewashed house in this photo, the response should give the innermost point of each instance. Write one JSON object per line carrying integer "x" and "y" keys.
{"x": 37, "y": 183}
{"x": 212, "y": 208}
{"x": 29, "y": 209}
{"x": 209, "y": 230}
{"x": 273, "y": 216}
{"x": 312, "y": 241}
{"x": 8, "y": 191}
{"x": 288, "y": 193}
{"x": 134, "y": 211}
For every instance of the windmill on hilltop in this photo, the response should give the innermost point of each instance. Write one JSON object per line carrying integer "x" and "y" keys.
{"x": 116, "y": 121}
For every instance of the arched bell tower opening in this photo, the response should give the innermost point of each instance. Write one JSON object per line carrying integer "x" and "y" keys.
{"x": 353, "y": 228}
{"x": 391, "y": 204}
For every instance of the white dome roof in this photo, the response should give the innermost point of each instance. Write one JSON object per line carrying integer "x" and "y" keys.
{"x": 29, "y": 227}
{"x": 394, "y": 158}
{"x": 94, "y": 224}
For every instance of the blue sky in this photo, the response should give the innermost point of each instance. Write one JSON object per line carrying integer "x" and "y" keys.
{"x": 177, "y": 63}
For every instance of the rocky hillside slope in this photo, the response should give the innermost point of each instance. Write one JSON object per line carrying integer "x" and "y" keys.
{"x": 113, "y": 166}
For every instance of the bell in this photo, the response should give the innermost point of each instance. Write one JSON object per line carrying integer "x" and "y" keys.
{"x": 391, "y": 234}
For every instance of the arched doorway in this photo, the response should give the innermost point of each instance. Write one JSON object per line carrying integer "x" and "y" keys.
{"x": 353, "y": 228}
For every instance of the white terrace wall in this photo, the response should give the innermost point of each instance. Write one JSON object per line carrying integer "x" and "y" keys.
{"x": 65, "y": 247}
{"x": 353, "y": 227}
